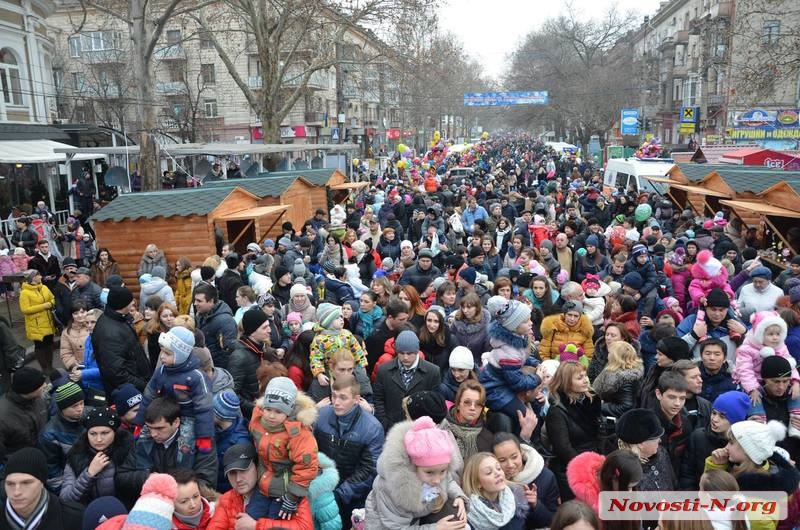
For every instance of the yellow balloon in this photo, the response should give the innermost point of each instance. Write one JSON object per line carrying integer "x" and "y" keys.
{"x": 402, "y": 148}
{"x": 485, "y": 135}
{"x": 356, "y": 161}
{"x": 436, "y": 136}
{"x": 401, "y": 164}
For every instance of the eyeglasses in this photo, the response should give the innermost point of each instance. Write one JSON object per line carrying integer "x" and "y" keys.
{"x": 470, "y": 403}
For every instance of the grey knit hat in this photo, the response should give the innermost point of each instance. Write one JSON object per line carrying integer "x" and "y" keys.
{"x": 509, "y": 313}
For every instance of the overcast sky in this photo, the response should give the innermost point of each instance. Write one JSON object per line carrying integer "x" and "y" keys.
{"x": 492, "y": 29}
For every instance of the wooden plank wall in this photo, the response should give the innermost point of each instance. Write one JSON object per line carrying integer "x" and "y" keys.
{"x": 190, "y": 236}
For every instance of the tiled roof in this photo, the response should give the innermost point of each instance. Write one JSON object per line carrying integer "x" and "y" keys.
{"x": 264, "y": 186}
{"x": 317, "y": 177}
{"x": 695, "y": 172}
{"x": 167, "y": 203}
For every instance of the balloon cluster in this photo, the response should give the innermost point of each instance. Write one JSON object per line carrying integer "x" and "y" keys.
{"x": 436, "y": 161}
{"x": 650, "y": 149}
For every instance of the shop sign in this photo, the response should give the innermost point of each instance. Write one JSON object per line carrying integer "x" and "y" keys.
{"x": 761, "y": 124}
{"x": 392, "y": 134}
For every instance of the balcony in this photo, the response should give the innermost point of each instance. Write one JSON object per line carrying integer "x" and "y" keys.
{"x": 682, "y": 36}
{"x": 109, "y": 56}
{"x": 317, "y": 81}
{"x": 315, "y": 118}
{"x": 170, "y": 88}
{"x": 99, "y": 91}
{"x": 722, "y": 10}
{"x": 174, "y": 52}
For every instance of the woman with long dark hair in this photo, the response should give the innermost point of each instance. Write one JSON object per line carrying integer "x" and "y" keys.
{"x": 73, "y": 338}
{"x": 435, "y": 339}
{"x": 103, "y": 266}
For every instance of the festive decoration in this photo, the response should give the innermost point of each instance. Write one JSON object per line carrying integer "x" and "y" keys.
{"x": 642, "y": 213}
{"x": 356, "y": 162}
{"x": 650, "y": 149}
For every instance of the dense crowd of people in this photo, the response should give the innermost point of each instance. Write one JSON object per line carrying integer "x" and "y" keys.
{"x": 489, "y": 348}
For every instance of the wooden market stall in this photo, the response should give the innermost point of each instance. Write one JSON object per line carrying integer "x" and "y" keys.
{"x": 181, "y": 222}
{"x": 300, "y": 196}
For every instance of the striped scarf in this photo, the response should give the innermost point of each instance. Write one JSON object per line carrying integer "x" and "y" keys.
{"x": 34, "y": 519}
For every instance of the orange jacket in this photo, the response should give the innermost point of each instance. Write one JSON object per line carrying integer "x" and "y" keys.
{"x": 231, "y": 504}
{"x": 288, "y": 454}
{"x": 556, "y": 332}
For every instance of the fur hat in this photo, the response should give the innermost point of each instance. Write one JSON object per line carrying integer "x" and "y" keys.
{"x": 280, "y": 395}
{"x": 428, "y": 445}
{"x": 638, "y": 425}
{"x": 179, "y": 341}
{"x": 461, "y": 359}
{"x": 155, "y": 506}
{"x": 733, "y": 404}
{"x": 758, "y": 440}
{"x": 327, "y": 313}
{"x": 710, "y": 265}
{"x": 764, "y": 319}
{"x": 508, "y": 313}
{"x": 675, "y": 348}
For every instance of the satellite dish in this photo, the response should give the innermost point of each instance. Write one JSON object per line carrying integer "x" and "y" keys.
{"x": 201, "y": 169}
{"x": 116, "y": 176}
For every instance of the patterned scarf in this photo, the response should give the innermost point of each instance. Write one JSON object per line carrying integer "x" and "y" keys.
{"x": 34, "y": 519}
{"x": 488, "y": 515}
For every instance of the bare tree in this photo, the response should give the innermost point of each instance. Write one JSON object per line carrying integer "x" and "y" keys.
{"x": 765, "y": 62}
{"x": 589, "y": 77}
{"x": 146, "y": 21}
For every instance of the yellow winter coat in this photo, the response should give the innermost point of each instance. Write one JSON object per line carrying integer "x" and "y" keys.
{"x": 183, "y": 292}
{"x": 38, "y": 318}
{"x": 556, "y": 332}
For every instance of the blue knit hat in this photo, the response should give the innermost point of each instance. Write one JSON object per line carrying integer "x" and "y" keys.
{"x": 179, "y": 341}
{"x": 733, "y": 404}
{"x": 227, "y": 405}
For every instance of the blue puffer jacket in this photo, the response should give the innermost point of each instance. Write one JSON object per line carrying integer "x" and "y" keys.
{"x": 324, "y": 509}
{"x": 504, "y": 382}
{"x": 337, "y": 292}
{"x": 90, "y": 376}
{"x": 190, "y": 387}
{"x": 237, "y": 433}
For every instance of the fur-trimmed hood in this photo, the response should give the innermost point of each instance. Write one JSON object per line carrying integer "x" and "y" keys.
{"x": 327, "y": 479}
{"x": 583, "y": 476}
{"x": 781, "y": 476}
{"x": 305, "y": 409}
{"x": 395, "y": 467}
{"x": 607, "y": 383}
{"x": 534, "y": 463}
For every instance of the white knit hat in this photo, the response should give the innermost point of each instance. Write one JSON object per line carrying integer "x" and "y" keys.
{"x": 764, "y": 319}
{"x": 709, "y": 263}
{"x": 757, "y": 439}
{"x": 461, "y": 358}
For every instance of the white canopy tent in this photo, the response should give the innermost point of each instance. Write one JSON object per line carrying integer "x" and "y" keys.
{"x": 43, "y": 152}
{"x": 37, "y": 152}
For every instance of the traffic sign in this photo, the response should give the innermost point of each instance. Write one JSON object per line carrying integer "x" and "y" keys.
{"x": 335, "y": 134}
{"x": 689, "y": 114}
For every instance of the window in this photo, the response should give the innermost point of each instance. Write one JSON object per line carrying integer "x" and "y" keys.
{"x": 58, "y": 79}
{"x": 9, "y": 78}
{"x": 176, "y": 72}
{"x": 205, "y": 40}
{"x": 75, "y": 46}
{"x": 621, "y": 180}
{"x": 691, "y": 90}
{"x": 210, "y": 108}
{"x": 771, "y": 32}
{"x": 173, "y": 37}
{"x": 208, "y": 74}
{"x": 78, "y": 81}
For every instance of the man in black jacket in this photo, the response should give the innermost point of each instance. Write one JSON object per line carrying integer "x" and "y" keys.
{"x": 46, "y": 264}
{"x": 215, "y": 320}
{"x": 396, "y": 316}
{"x": 231, "y": 279}
{"x": 23, "y": 412}
{"x": 26, "y": 499}
{"x": 24, "y": 237}
{"x": 120, "y": 357}
{"x": 401, "y": 377}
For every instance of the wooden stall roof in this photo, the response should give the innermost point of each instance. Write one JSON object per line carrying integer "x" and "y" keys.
{"x": 264, "y": 186}
{"x": 350, "y": 186}
{"x": 761, "y": 207}
{"x": 697, "y": 172}
{"x": 699, "y": 190}
{"x": 253, "y": 213}
{"x": 661, "y": 180}
{"x": 169, "y": 203}
{"x": 317, "y": 177}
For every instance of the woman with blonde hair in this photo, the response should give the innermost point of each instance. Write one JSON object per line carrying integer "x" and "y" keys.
{"x": 466, "y": 420}
{"x": 152, "y": 257}
{"x": 617, "y": 385}
{"x": 494, "y": 503}
{"x": 572, "y": 421}
{"x": 382, "y": 287}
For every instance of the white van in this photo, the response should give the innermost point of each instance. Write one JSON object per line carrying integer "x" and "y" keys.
{"x": 625, "y": 172}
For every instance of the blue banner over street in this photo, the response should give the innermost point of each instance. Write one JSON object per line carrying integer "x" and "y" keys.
{"x": 629, "y": 122}
{"x": 487, "y": 99}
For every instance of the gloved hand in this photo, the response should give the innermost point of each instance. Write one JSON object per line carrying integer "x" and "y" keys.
{"x": 203, "y": 445}
{"x": 288, "y": 507}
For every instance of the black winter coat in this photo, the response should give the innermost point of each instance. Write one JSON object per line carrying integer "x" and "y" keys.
{"x": 21, "y": 422}
{"x": 228, "y": 284}
{"x": 699, "y": 447}
{"x": 389, "y": 391}
{"x": 242, "y": 365}
{"x": 120, "y": 357}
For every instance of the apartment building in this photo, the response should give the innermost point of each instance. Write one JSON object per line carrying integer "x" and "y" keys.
{"x": 197, "y": 97}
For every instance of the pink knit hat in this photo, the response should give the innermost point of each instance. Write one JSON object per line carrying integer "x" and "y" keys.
{"x": 428, "y": 445}
{"x": 294, "y": 316}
